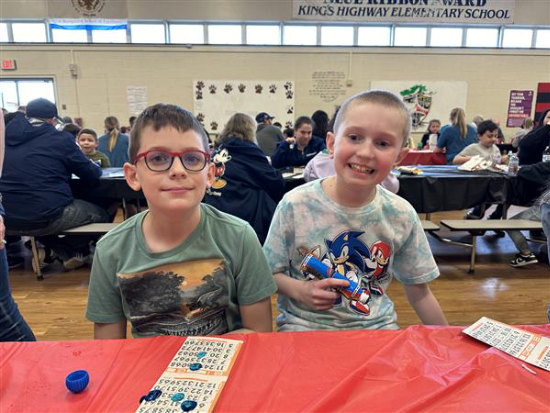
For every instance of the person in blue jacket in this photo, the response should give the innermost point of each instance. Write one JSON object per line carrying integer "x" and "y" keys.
{"x": 37, "y": 197}
{"x": 456, "y": 136}
{"x": 301, "y": 149}
{"x": 245, "y": 184}
{"x": 114, "y": 144}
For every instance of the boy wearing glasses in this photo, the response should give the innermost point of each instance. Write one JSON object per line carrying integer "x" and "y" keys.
{"x": 182, "y": 267}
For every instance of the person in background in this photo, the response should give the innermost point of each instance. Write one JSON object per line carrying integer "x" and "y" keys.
{"x": 288, "y": 133}
{"x": 88, "y": 142}
{"x": 456, "y": 136}
{"x": 13, "y": 326}
{"x": 526, "y": 127}
{"x": 182, "y": 267}
{"x": 320, "y": 124}
{"x": 298, "y": 151}
{"x": 500, "y": 137}
{"x": 433, "y": 128}
{"x": 114, "y": 144}
{"x": 22, "y": 109}
{"x": 72, "y": 129}
{"x": 67, "y": 119}
{"x": 533, "y": 144}
{"x": 245, "y": 184}
{"x": 476, "y": 121}
{"x": 267, "y": 135}
{"x": 278, "y": 124}
{"x": 37, "y": 196}
{"x": 364, "y": 234}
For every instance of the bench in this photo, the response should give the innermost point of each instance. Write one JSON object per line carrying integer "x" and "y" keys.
{"x": 478, "y": 227}
{"x": 89, "y": 229}
{"x": 429, "y": 226}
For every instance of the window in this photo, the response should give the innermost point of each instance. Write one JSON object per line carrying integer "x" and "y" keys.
{"x": 4, "y": 38}
{"x": 446, "y": 37}
{"x": 374, "y": 36}
{"x": 263, "y": 34}
{"x": 410, "y": 36}
{"x": 147, "y": 33}
{"x": 517, "y": 38}
{"x": 224, "y": 34}
{"x": 543, "y": 39}
{"x": 29, "y": 32}
{"x": 17, "y": 92}
{"x": 481, "y": 37}
{"x": 69, "y": 36}
{"x": 187, "y": 33}
{"x": 109, "y": 36}
{"x": 300, "y": 35}
{"x": 336, "y": 36}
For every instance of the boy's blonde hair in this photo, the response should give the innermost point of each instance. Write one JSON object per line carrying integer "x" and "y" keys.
{"x": 380, "y": 97}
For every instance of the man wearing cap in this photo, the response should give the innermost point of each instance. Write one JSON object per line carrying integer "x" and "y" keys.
{"x": 267, "y": 135}
{"x": 37, "y": 197}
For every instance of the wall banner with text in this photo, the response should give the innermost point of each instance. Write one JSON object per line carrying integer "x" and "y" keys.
{"x": 421, "y": 11}
{"x": 519, "y": 107}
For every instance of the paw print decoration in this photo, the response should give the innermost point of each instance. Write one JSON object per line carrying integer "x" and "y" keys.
{"x": 242, "y": 88}
{"x": 214, "y": 125}
{"x": 200, "y": 117}
{"x": 272, "y": 88}
{"x": 228, "y": 88}
{"x": 259, "y": 89}
{"x": 212, "y": 89}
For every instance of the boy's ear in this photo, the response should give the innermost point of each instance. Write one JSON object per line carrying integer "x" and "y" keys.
{"x": 402, "y": 153}
{"x": 130, "y": 173}
{"x": 210, "y": 175}
{"x": 330, "y": 144}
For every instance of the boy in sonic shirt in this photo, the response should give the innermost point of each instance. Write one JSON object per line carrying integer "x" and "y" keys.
{"x": 182, "y": 267}
{"x": 354, "y": 226}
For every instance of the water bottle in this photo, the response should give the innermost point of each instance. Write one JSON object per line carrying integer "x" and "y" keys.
{"x": 496, "y": 158}
{"x": 546, "y": 154}
{"x": 513, "y": 164}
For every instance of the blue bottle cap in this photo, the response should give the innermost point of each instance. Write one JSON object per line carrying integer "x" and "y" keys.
{"x": 77, "y": 381}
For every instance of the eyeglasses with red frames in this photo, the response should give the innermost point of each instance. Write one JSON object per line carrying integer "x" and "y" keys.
{"x": 193, "y": 160}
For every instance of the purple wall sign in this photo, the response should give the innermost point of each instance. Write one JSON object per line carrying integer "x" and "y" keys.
{"x": 519, "y": 108}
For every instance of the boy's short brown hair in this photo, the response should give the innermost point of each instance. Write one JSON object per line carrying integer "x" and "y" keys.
{"x": 377, "y": 96}
{"x": 88, "y": 132}
{"x": 160, "y": 116}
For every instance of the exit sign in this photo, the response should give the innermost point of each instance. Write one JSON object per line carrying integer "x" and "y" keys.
{"x": 8, "y": 65}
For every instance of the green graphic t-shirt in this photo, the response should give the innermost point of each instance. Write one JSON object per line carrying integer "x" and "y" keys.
{"x": 194, "y": 289}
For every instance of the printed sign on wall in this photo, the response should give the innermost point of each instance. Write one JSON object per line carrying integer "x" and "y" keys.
{"x": 215, "y": 101}
{"x": 426, "y": 99}
{"x": 519, "y": 107}
{"x": 421, "y": 11}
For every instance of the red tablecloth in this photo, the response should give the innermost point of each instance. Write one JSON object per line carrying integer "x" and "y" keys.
{"x": 416, "y": 369}
{"x": 424, "y": 158}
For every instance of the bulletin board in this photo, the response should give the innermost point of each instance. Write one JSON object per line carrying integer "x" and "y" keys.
{"x": 215, "y": 101}
{"x": 427, "y": 99}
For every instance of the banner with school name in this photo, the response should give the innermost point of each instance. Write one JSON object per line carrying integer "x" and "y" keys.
{"x": 419, "y": 11}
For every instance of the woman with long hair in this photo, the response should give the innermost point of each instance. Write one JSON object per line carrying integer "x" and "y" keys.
{"x": 245, "y": 184}
{"x": 114, "y": 144}
{"x": 320, "y": 121}
{"x": 456, "y": 136}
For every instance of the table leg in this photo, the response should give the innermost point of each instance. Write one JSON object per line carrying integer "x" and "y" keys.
{"x": 473, "y": 256}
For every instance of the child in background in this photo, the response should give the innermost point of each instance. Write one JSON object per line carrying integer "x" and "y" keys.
{"x": 433, "y": 128}
{"x": 88, "y": 142}
{"x": 362, "y": 231}
{"x": 181, "y": 268}
{"x": 487, "y": 134}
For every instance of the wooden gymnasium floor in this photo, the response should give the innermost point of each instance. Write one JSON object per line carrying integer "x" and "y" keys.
{"x": 55, "y": 307}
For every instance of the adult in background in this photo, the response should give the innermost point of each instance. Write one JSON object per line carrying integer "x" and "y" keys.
{"x": 456, "y": 136}
{"x": 114, "y": 144}
{"x": 526, "y": 127}
{"x": 38, "y": 200}
{"x": 533, "y": 144}
{"x": 267, "y": 135}
{"x": 245, "y": 184}
{"x": 320, "y": 120}
{"x": 13, "y": 326}
{"x": 301, "y": 149}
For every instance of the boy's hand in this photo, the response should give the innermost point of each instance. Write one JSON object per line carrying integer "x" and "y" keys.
{"x": 319, "y": 295}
